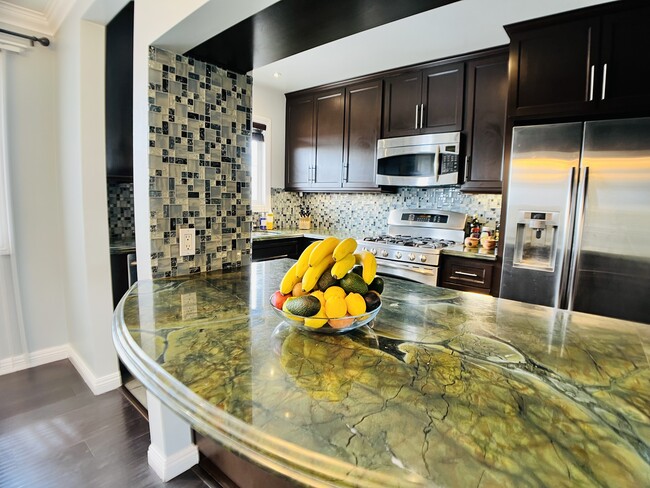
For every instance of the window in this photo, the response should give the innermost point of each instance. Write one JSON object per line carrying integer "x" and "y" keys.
{"x": 261, "y": 164}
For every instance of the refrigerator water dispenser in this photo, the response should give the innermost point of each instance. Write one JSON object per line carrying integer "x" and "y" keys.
{"x": 536, "y": 241}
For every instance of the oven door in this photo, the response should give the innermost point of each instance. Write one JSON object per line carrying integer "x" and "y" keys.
{"x": 413, "y": 272}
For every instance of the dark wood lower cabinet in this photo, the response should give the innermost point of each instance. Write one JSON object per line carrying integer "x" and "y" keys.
{"x": 267, "y": 249}
{"x": 466, "y": 274}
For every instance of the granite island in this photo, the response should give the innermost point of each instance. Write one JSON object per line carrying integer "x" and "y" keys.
{"x": 446, "y": 389}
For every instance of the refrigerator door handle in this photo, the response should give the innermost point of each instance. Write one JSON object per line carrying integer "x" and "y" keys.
{"x": 561, "y": 298}
{"x": 577, "y": 238}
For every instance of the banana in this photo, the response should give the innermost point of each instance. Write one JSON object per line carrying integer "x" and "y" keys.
{"x": 324, "y": 249}
{"x": 341, "y": 268}
{"x": 289, "y": 281}
{"x": 312, "y": 274}
{"x": 345, "y": 247}
{"x": 303, "y": 260}
{"x": 369, "y": 263}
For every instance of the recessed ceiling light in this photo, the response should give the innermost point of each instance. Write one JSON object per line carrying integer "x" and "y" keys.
{"x": 277, "y": 75}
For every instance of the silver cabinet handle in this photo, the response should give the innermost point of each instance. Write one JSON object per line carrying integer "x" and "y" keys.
{"x": 602, "y": 97}
{"x": 417, "y": 107}
{"x": 463, "y": 273}
{"x": 467, "y": 160}
{"x": 421, "y": 115}
{"x": 591, "y": 83}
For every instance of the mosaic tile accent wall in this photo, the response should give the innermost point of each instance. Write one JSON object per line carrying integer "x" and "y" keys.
{"x": 199, "y": 167}
{"x": 121, "y": 220}
{"x": 367, "y": 213}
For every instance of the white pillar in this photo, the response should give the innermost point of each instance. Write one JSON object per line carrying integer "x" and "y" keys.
{"x": 172, "y": 451}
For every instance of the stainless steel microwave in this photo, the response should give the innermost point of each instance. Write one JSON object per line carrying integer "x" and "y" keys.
{"x": 425, "y": 160}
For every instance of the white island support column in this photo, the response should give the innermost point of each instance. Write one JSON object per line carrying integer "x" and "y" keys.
{"x": 172, "y": 450}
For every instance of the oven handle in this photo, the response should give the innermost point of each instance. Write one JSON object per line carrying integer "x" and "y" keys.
{"x": 417, "y": 269}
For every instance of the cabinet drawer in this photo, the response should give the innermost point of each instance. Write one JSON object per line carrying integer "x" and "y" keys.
{"x": 466, "y": 274}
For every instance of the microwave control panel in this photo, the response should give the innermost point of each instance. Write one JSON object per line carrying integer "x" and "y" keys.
{"x": 448, "y": 163}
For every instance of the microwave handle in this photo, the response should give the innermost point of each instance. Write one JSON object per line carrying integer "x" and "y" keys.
{"x": 436, "y": 164}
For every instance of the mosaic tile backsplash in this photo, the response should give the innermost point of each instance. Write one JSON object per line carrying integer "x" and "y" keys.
{"x": 121, "y": 221}
{"x": 199, "y": 168}
{"x": 367, "y": 213}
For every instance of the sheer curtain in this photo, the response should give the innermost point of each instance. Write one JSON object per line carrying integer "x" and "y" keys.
{"x": 13, "y": 347}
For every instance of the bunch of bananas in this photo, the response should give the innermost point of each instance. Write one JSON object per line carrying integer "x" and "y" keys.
{"x": 330, "y": 264}
{"x": 332, "y": 255}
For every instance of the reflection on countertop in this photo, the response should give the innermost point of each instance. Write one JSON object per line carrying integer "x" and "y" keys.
{"x": 447, "y": 389}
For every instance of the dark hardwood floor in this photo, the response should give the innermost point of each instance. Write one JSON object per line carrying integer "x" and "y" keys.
{"x": 55, "y": 433}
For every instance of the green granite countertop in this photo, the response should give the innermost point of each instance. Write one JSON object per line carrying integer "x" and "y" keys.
{"x": 447, "y": 389}
{"x": 322, "y": 233}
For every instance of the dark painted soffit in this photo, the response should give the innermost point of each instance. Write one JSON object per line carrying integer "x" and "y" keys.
{"x": 292, "y": 26}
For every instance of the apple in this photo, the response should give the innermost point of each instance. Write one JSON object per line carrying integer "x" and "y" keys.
{"x": 278, "y": 299}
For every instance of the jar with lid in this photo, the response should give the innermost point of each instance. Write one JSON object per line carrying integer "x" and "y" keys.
{"x": 269, "y": 221}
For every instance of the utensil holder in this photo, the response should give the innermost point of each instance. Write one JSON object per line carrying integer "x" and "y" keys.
{"x": 304, "y": 223}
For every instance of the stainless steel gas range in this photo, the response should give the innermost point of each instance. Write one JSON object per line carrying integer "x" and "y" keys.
{"x": 415, "y": 239}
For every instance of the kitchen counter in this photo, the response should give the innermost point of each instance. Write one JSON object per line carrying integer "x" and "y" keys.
{"x": 448, "y": 389}
{"x": 322, "y": 233}
{"x": 122, "y": 247}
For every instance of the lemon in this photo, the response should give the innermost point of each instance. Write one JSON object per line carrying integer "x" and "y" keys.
{"x": 318, "y": 320}
{"x": 320, "y": 295}
{"x": 355, "y": 303}
{"x": 335, "y": 307}
{"x": 334, "y": 291}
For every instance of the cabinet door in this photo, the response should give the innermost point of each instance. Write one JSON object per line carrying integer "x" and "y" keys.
{"x": 402, "y": 99}
{"x": 625, "y": 61}
{"x": 362, "y": 126}
{"x": 299, "y": 142}
{"x": 485, "y": 104}
{"x": 329, "y": 119}
{"x": 442, "y": 98}
{"x": 552, "y": 69}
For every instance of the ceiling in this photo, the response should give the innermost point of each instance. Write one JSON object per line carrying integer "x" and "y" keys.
{"x": 461, "y": 27}
{"x": 40, "y": 16}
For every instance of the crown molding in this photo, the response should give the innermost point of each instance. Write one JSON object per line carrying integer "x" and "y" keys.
{"x": 46, "y": 22}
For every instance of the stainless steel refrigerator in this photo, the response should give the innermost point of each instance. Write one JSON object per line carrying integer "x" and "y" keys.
{"x": 578, "y": 218}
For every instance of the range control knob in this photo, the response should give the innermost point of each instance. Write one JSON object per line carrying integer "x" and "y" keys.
{"x": 384, "y": 253}
{"x": 373, "y": 251}
{"x": 411, "y": 257}
{"x": 398, "y": 255}
{"x": 423, "y": 258}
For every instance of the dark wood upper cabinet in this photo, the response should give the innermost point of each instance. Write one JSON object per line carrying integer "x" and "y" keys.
{"x": 328, "y": 124}
{"x": 625, "y": 60}
{"x": 424, "y": 101}
{"x": 331, "y": 138}
{"x": 362, "y": 129}
{"x": 402, "y": 99}
{"x": 485, "y": 108}
{"x": 442, "y": 98}
{"x": 588, "y": 62}
{"x": 119, "y": 95}
{"x": 299, "y": 141}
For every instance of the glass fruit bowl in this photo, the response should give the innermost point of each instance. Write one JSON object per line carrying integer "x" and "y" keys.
{"x": 329, "y": 326}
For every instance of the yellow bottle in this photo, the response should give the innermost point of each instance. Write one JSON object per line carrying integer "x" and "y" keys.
{"x": 269, "y": 221}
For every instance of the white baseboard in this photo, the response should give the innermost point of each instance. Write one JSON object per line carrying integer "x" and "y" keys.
{"x": 169, "y": 467}
{"x": 97, "y": 385}
{"x": 36, "y": 358}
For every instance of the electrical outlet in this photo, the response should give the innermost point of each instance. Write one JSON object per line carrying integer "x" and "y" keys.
{"x": 187, "y": 242}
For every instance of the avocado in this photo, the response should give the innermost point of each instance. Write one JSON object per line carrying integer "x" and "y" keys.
{"x": 372, "y": 300}
{"x": 358, "y": 269}
{"x": 303, "y": 306}
{"x": 377, "y": 285}
{"x": 353, "y": 283}
{"x": 326, "y": 280}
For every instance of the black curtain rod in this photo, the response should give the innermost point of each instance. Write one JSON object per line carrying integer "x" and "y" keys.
{"x": 44, "y": 41}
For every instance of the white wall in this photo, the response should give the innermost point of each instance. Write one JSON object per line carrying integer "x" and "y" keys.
{"x": 270, "y": 104}
{"x": 36, "y": 194}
